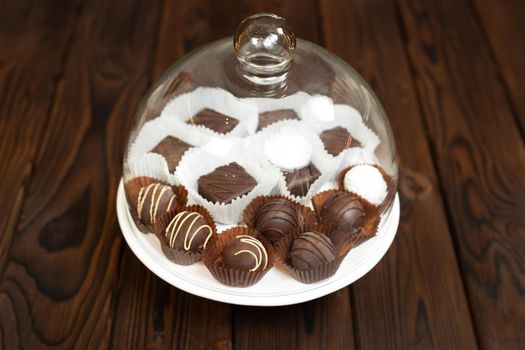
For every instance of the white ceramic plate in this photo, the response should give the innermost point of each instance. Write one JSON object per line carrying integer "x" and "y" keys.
{"x": 276, "y": 287}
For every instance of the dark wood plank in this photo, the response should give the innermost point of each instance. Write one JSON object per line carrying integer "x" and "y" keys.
{"x": 324, "y": 323}
{"x": 414, "y": 298}
{"x": 503, "y": 24}
{"x": 151, "y": 313}
{"x": 62, "y": 269}
{"x": 481, "y": 161}
{"x": 34, "y": 37}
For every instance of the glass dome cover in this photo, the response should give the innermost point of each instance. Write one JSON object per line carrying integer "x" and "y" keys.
{"x": 294, "y": 120}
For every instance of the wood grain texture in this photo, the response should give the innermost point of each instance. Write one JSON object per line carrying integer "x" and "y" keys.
{"x": 62, "y": 268}
{"x": 325, "y": 323}
{"x": 481, "y": 161}
{"x": 502, "y": 23}
{"x": 34, "y": 38}
{"x": 408, "y": 298}
{"x": 151, "y": 313}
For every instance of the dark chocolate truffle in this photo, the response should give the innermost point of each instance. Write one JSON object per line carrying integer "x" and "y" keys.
{"x": 271, "y": 117}
{"x": 245, "y": 253}
{"x": 171, "y": 149}
{"x": 299, "y": 181}
{"x": 344, "y": 210}
{"x": 310, "y": 250}
{"x": 225, "y": 183}
{"x": 188, "y": 231}
{"x": 154, "y": 200}
{"x": 214, "y": 120}
{"x": 336, "y": 140}
{"x": 275, "y": 218}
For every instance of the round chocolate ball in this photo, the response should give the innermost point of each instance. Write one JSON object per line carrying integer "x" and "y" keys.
{"x": 310, "y": 250}
{"x": 188, "y": 231}
{"x": 275, "y": 218}
{"x": 345, "y": 210}
{"x": 245, "y": 253}
{"x": 153, "y": 201}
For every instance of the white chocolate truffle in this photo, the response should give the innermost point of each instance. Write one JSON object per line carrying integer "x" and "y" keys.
{"x": 288, "y": 150}
{"x": 320, "y": 108}
{"x": 368, "y": 182}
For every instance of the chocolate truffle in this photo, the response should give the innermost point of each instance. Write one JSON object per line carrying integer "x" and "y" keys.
{"x": 367, "y": 182}
{"x": 154, "y": 200}
{"x": 337, "y": 140}
{"x": 271, "y": 117}
{"x": 299, "y": 181}
{"x": 245, "y": 253}
{"x": 225, "y": 183}
{"x": 214, "y": 120}
{"x": 310, "y": 250}
{"x": 275, "y": 218}
{"x": 172, "y": 149}
{"x": 188, "y": 231}
{"x": 344, "y": 210}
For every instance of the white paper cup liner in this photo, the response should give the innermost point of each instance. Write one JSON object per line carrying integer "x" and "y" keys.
{"x": 152, "y": 165}
{"x": 185, "y": 106}
{"x": 198, "y": 162}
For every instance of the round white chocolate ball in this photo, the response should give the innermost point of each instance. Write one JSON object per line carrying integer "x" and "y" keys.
{"x": 288, "y": 150}
{"x": 368, "y": 182}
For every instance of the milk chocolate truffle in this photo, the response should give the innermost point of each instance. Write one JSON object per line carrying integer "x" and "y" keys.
{"x": 336, "y": 140}
{"x": 310, "y": 250}
{"x": 271, "y": 117}
{"x": 245, "y": 253}
{"x": 345, "y": 211}
{"x": 299, "y": 181}
{"x": 225, "y": 183}
{"x": 275, "y": 218}
{"x": 172, "y": 149}
{"x": 214, "y": 120}
{"x": 188, "y": 231}
{"x": 154, "y": 200}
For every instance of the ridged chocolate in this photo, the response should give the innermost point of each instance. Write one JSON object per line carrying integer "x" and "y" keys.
{"x": 225, "y": 183}
{"x": 172, "y": 149}
{"x": 188, "y": 231}
{"x": 214, "y": 120}
{"x": 275, "y": 218}
{"x": 271, "y": 117}
{"x": 299, "y": 181}
{"x": 154, "y": 200}
{"x": 345, "y": 211}
{"x": 245, "y": 253}
{"x": 310, "y": 250}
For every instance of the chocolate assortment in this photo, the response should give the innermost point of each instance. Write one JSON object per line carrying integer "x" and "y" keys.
{"x": 282, "y": 229}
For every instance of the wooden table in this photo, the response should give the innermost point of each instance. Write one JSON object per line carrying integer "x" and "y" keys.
{"x": 451, "y": 75}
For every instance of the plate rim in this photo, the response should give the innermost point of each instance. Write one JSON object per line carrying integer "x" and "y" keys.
{"x": 136, "y": 245}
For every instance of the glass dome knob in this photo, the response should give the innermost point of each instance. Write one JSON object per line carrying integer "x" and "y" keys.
{"x": 264, "y": 44}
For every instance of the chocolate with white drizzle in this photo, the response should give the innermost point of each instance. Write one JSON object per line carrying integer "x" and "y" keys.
{"x": 245, "y": 253}
{"x": 188, "y": 231}
{"x": 154, "y": 200}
